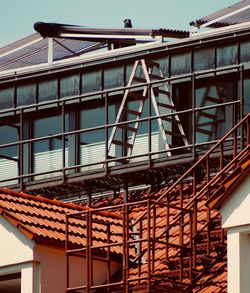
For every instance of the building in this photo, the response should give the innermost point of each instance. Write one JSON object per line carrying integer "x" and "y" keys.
{"x": 135, "y": 123}
{"x": 33, "y": 241}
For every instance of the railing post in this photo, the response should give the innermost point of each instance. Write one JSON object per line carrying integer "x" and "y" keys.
{"x": 148, "y": 243}
{"x": 87, "y": 252}
{"x": 149, "y": 125}
{"x": 21, "y": 151}
{"x": 242, "y": 103}
{"x": 106, "y": 133}
{"x": 63, "y": 141}
{"x": 193, "y": 117}
{"x": 66, "y": 249}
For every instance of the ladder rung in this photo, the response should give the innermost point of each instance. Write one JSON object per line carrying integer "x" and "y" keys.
{"x": 121, "y": 143}
{"x": 166, "y": 105}
{"x": 174, "y": 133}
{"x": 118, "y": 159}
{"x": 154, "y": 76}
{"x": 136, "y": 96}
{"x": 128, "y": 128}
{"x": 161, "y": 91}
{"x": 171, "y": 120}
{"x": 205, "y": 131}
{"x": 208, "y": 115}
{"x": 139, "y": 79}
{"x": 133, "y": 112}
{"x": 209, "y": 123}
{"x": 212, "y": 99}
{"x": 150, "y": 63}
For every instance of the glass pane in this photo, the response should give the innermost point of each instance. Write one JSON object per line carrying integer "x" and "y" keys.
{"x": 92, "y": 81}
{"x": 212, "y": 123}
{"x": 69, "y": 85}
{"x": 181, "y": 63}
{"x": 113, "y": 77}
{"x": 245, "y": 51}
{"x": 246, "y": 96}
{"x": 163, "y": 62}
{"x": 204, "y": 59}
{"x": 48, "y": 90}
{"x": 227, "y": 55}
{"x": 6, "y": 97}
{"x": 26, "y": 94}
{"x": 48, "y": 152}
{"x": 92, "y": 118}
{"x": 8, "y": 155}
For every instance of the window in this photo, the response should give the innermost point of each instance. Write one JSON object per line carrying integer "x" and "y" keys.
{"x": 6, "y": 97}
{"x": 26, "y": 94}
{"x": 180, "y": 63}
{"x": 92, "y": 143}
{"x": 10, "y": 283}
{"x": 47, "y": 90}
{"x": 70, "y": 85}
{"x": 48, "y": 151}
{"x": 204, "y": 59}
{"x": 9, "y": 154}
{"x": 227, "y": 55}
{"x": 92, "y": 81}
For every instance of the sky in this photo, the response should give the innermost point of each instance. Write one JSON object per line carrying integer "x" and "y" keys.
{"x": 17, "y": 17}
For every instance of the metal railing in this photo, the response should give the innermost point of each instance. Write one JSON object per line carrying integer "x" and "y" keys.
{"x": 173, "y": 238}
{"x": 26, "y": 175}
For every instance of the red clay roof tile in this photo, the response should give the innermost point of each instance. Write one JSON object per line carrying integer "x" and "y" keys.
{"x": 44, "y": 220}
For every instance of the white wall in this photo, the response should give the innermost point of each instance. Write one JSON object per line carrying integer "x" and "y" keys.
{"x": 53, "y": 270}
{"x": 43, "y": 269}
{"x": 16, "y": 255}
{"x": 15, "y": 247}
{"x": 236, "y": 219}
{"x": 236, "y": 210}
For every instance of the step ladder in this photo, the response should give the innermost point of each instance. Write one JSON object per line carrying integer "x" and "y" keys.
{"x": 207, "y": 120}
{"x": 144, "y": 72}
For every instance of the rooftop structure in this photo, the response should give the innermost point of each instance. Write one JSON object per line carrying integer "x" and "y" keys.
{"x": 144, "y": 129}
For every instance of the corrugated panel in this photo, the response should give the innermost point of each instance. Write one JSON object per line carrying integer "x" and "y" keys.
{"x": 240, "y": 17}
{"x": 37, "y": 51}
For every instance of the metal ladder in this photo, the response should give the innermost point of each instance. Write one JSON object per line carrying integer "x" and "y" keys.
{"x": 145, "y": 71}
{"x": 207, "y": 119}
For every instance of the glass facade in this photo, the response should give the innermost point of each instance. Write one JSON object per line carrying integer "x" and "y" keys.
{"x": 79, "y": 133}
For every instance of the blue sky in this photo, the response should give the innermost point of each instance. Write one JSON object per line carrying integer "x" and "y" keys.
{"x": 18, "y": 16}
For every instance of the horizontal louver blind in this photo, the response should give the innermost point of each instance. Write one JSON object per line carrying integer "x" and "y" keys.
{"x": 49, "y": 161}
{"x": 8, "y": 170}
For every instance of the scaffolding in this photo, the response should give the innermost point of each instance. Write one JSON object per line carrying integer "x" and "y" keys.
{"x": 172, "y": 242}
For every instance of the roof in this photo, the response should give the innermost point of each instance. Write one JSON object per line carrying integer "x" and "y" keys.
{"x": 234, "y": 14}
{"x": 213, "y": 278}
{"x": 43, "y": 220}
{"x": 74, "y": 41}
{"x": 73, "y": 31}
{"x": 33, "y": 50}
{"x": 231, "y": 181}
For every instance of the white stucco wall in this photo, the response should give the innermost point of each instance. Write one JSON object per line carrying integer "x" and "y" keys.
{"x": 235, "y": 210}
{"x": 43, "y": 269}
{"x": 235, "y": 213}
{"x": 16, "y": 255}
{"x": 15, "y": 247}
{"x": 53, "y": 270}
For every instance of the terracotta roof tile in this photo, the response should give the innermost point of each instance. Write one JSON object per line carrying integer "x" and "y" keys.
{"x": 44, "y": 220}
{"x": 215, "y": 278}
